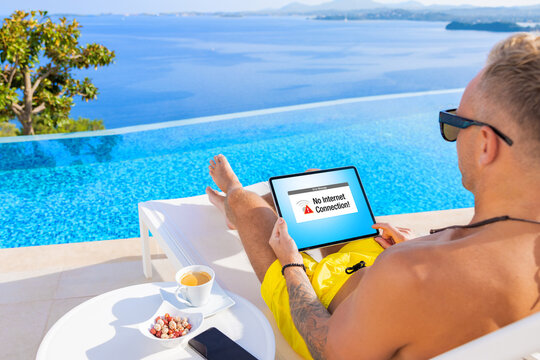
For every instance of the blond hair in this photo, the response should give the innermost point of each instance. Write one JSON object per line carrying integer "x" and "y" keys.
{"x": 511, "y": 79}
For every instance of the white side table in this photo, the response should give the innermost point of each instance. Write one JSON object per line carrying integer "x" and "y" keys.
{"x": 104, "y": 328}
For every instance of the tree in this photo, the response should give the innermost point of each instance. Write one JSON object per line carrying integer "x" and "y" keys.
{"x": 36, "y": 60}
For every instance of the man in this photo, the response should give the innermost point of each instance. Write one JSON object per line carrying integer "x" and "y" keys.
{"x": 428, "y": 295}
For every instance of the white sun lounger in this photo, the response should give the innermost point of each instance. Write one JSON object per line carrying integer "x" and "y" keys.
{"x": 519, "y": 340}
{"x": 192, "y": 231}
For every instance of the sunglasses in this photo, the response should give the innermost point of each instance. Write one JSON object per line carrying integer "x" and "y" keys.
{"x": 451, "y": 124}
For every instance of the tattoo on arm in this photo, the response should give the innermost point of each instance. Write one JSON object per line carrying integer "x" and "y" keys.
{"x": 309, "y": 315}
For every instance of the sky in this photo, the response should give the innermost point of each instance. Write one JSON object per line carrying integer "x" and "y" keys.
{"x": 155, "y": 6}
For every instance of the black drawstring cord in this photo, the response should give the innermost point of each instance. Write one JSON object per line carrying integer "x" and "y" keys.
{"x": 355, "y": 267}
{"x": 362, "y": 264}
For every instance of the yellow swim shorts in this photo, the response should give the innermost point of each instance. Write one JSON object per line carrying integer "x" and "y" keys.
{"x": 326, "y": 276}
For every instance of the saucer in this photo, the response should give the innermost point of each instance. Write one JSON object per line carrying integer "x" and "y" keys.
{"x": 219, "y": 300}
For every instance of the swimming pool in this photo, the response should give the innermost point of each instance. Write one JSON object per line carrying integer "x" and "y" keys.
{"x": 83, "y": 188}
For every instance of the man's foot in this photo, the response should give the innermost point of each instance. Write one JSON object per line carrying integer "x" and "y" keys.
{"x": 222, "y": 174}
{"x": 219, "y": 202}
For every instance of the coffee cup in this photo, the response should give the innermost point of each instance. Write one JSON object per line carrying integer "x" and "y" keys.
{"x": 194, "y": 284}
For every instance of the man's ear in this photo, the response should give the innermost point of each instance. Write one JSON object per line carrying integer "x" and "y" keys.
{"x": 489, "y": 143}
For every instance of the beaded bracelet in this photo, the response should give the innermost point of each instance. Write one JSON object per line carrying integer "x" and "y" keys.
{"x": 291, "y": 264}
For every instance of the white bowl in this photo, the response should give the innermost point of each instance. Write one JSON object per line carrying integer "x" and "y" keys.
{"x": 195, "y": 319}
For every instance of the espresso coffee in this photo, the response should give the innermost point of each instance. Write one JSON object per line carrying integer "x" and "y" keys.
{"x": 195, "y": 278}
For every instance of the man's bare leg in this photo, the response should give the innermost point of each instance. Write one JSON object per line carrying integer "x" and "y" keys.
{"x": 268, "y": 198}
{"x": 218, "y": 201}
{"x": 246, "y": 211}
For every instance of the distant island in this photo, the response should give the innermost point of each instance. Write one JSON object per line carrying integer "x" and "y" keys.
{"x": 487, "y": 19}
{"x": 496, "y": 26}
{"x": 459, "y": 17}
{"x": 387, "y": 14}
{"x": 346, "y": 10}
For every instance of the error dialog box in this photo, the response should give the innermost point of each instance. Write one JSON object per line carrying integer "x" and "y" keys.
{"x": 322, "y": 202}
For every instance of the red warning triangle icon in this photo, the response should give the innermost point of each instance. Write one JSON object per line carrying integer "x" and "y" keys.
{"x": 307, "y": 210}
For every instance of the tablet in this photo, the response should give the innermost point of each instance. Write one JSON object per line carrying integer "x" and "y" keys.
{"x": 324, "y": 207}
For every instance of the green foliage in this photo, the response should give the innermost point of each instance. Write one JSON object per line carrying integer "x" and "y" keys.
{"x": 7, "y": 129}
{"x": 36, "y": 60}
{"x": 44, "y": 125}
{"x": 48, "y": 126}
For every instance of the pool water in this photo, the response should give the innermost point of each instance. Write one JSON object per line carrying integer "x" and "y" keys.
{"x": 87, "y": 188}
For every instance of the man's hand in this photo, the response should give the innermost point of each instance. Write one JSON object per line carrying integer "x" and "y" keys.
{"x": 283, "y": 245}
{"x": 392, "y": 235}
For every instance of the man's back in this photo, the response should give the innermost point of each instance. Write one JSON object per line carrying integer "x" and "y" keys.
{"x": 468, "y": 283}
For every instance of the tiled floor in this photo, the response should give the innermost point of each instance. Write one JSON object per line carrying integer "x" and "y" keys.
{"x": 38, "y": 285}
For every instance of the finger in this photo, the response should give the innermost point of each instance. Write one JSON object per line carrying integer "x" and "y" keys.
{"x": 385, "y": 244}
{"x": 402, "y": 229}
{"x": 278, "y": 227}
{"x": 384, "y": 233}
{"x": 283, "y": 229}
{"x": 380, "y": 225}
{"x": 388, "y": 239}
{"x": 390, "y": 230}
{"x": 274, "y": 237}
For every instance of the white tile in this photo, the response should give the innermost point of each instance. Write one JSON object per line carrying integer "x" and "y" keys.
{"x": 28, "y": 286}
{"x": 97, "y": 279}
{"x": 21, "y": 328}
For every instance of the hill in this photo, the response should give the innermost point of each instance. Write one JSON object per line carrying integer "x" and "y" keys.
{"x": 410, "y": 10}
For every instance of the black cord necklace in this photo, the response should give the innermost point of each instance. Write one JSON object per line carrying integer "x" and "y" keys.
{"x": 484, "y": 222}
{"x": 362, "y": 264}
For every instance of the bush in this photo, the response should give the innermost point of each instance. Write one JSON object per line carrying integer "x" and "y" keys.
{"x": 8, "y": 129}
{"x": 67, "y": 125}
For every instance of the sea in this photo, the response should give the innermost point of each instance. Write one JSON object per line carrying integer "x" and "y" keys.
{"x": 179, "y": 67}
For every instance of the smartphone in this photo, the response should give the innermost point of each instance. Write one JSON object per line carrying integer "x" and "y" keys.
{"x": 212, "y": 344}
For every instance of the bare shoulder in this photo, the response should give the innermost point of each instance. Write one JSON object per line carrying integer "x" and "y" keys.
{"x": 407, "y": 265}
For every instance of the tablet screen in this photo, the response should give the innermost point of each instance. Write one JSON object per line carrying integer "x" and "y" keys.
{"x": 324, "y": 207}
